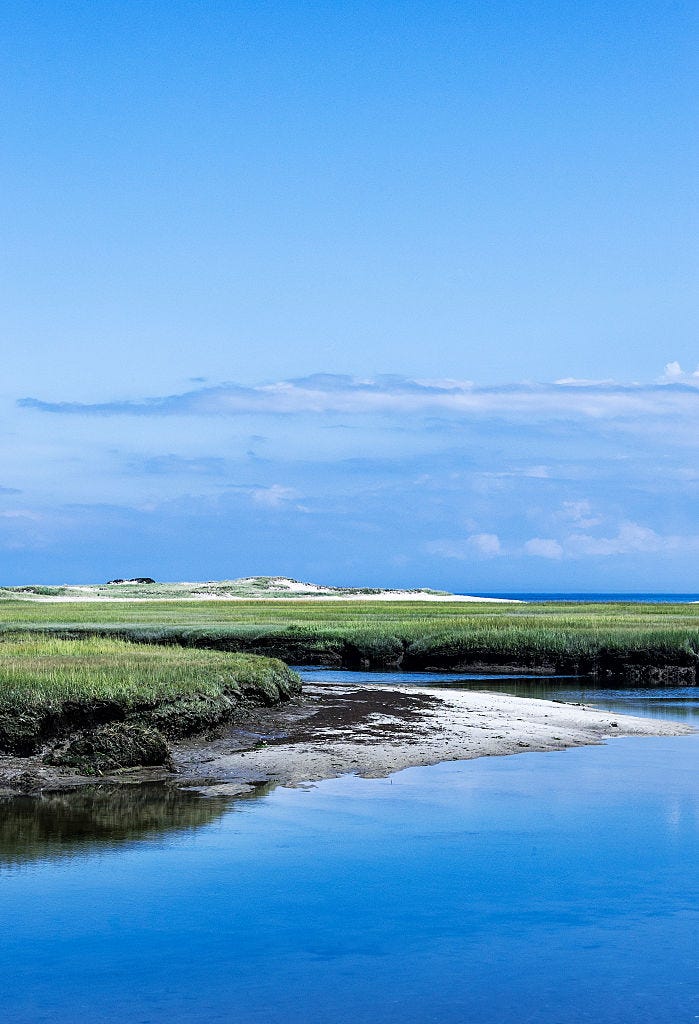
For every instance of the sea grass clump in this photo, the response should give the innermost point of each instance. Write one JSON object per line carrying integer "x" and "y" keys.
{"x": 116, "y": 702}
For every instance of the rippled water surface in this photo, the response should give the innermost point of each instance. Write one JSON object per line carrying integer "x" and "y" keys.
{"x": 540, "y": 887}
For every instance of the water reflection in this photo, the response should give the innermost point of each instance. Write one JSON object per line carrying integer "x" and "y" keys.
{"x": 66, "y": 824}
{"x": 100, "y": 817}
{"x": 678, "y": 703}
{"x": 542, "y": 887}
{"x": 545, "y": 887}
{"x": 681, "y": 704}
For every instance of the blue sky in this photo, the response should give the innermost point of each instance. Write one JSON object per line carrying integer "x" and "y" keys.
{"x": 366, "y": 293}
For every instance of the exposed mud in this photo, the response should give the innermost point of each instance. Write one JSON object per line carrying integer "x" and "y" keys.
{"x": 374, "y": 730}
{"x": 332, "y": 730}
{"x": 94, "y": 737}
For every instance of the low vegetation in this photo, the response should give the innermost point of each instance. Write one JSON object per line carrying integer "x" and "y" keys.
{"x": 97, "y": 686}
{"x": 605, "y": 639}
{"x": 113, "y": 703}
{"x": 146, "y": 589}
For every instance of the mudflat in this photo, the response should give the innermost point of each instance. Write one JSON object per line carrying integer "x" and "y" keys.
{"x": 368, "y": 730}
{"x": 374, "y": 730}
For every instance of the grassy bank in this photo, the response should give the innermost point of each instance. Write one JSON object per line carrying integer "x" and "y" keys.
{"x": 119, "y": 701}
{"x": 628, "y": 640}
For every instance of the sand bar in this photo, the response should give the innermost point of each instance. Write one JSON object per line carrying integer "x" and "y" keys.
{"x": 374, "y": 730}
{"x": 367, "y": 730}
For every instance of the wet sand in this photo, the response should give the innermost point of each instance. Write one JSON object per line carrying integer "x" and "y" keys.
{"x": 368, "y": 730}
{"x": 374, "y": 730}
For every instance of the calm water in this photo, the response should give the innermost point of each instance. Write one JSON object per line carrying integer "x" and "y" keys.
{"x": 647, "y": 597}
{"x": 541, "y": 887}
{"x": 677, "y": 702}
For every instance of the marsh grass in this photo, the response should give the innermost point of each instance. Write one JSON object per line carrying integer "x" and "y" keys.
{"x": 39, "y": 670}
{"x": 567, "y": 632}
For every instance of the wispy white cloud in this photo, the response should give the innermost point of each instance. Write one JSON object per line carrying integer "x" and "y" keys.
{"x": 674, "y": 374}
{"x": 22, "y": 514}
{"x": 675, "y": 393}
{"x": 273, "y": 496}
{"x": 483, "y": 545}
{"x": 24, "y": 529}
{"x": 486, "y": 544}
{"x": 543, "y": 547}
{"x": 631, "y": 538}
{"x": 506, "y": 482}
{"x": 166, "y": 465}
{"x": 579, "y": 514}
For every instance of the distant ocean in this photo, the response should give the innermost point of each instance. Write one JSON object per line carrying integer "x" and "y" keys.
{"x": 657, "y": 598}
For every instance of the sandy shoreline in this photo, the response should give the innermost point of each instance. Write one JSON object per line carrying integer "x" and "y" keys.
{"x": 400, "y": 596}
{"x": 245, "y": 588}
{"x": 375, "y": 730}
{"x": 368, "y": 730}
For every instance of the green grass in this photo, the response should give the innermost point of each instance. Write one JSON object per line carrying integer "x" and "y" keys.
{"x": 417, "y": 632}
{"x": 169, "y": 666}
{"x": 52, "y": 687}
{"x": 406, "y": 614}
{"x": 40, "y": 670}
